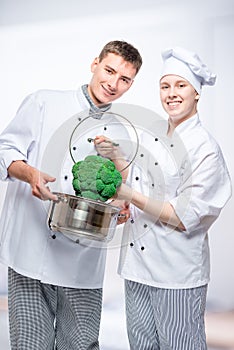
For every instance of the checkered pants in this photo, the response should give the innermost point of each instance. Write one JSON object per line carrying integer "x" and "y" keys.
{"x": 165, "y": 319}
{"x": 47, "y": 317}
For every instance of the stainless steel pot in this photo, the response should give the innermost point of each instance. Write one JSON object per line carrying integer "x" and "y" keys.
{"x": 76, "y": 216}
{"x": 81, "y": 217}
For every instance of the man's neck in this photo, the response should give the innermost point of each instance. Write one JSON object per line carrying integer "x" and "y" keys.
{"x": 93, "y": 107}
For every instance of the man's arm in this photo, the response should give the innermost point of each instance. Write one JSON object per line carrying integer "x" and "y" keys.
{"x": 35, "y": 178}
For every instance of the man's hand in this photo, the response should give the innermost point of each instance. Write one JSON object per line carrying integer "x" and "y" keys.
{"x": 35, "y": 178}
{"x": 39, "y": 188}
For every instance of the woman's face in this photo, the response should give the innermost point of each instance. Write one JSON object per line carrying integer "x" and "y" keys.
{"x": 178, "y": 98}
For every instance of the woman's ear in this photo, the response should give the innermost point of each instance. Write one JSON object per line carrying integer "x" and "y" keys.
{"x": 197, "y": 97}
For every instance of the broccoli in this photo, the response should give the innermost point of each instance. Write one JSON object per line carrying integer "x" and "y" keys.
{"x": 95, "y": 178}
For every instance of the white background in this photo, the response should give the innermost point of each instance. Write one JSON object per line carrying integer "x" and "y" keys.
{"x": 51, "y": 45}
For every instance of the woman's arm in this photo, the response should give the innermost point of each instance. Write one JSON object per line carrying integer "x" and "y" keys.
{"x": 162, "y": 211}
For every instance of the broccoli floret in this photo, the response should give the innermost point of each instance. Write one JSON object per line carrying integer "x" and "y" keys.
{"x": 91, "y": 195}
{"x": 109, "y": 165}
{"x": 99, "y": 185}
{"x": 76, "y": 186}
{"x": 117, "y": 178}
{"x": 109, "y": 191}
{"x": 96, "y": 178}
{"x": 105, "y": 175}
{"x": 94, "y": 160}
{"x": 75, "y": 168}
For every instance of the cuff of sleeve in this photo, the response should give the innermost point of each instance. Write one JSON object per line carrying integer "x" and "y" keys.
{"x": 11, "y": 156}
{"x": 185, "y": 213}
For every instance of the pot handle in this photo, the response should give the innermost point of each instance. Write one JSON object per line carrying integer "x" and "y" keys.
{"x": 61, "y": 198}
{"x": 121, "y": 215}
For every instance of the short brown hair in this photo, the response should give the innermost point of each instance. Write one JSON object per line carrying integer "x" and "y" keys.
{"x": 125, "y": 50}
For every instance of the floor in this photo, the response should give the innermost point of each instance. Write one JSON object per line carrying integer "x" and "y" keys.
{"x": 220, "y": 329}
{"x": 113, "y": 336}
{"x": 4, "y": 340}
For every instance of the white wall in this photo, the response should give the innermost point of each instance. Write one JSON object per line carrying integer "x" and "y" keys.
{"x": 58, "y": 54}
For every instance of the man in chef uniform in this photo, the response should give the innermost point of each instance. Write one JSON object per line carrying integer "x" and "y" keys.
{"x": 55, "y": 285}
{"x": 165, "y": 251}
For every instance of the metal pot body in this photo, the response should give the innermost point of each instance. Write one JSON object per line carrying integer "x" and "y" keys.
{"x": 81, "y": 217}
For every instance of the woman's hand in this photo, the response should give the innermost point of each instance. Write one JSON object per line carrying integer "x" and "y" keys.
{"x": 108, "y": 149}
{"x": 124, "y": 213}
{"x": 105, "y": 147}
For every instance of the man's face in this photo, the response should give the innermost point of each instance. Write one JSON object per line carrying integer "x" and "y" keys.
{"x": 112, "y": 77}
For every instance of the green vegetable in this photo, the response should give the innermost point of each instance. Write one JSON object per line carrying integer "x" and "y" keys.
{"x": 95, "y": 178}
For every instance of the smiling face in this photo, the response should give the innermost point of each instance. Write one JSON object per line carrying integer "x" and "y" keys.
{"x": 178, "y": 98}
{"x": 112, "y": 77}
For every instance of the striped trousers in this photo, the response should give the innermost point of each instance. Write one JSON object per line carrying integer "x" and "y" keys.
{"x": 47, "y": 317}
{"x": 165, "y": 319}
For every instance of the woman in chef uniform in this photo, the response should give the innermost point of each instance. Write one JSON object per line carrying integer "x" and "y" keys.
{"x": 165, "y": 253}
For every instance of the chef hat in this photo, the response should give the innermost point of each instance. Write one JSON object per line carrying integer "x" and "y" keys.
{"x": 187, "y": 64}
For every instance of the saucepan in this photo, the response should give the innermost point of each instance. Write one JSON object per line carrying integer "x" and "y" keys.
{"x": 77, "y": 216}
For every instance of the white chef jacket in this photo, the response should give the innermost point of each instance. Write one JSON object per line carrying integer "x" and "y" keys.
{"x": 43, "y": 123}
{"x": 189, "y": 171}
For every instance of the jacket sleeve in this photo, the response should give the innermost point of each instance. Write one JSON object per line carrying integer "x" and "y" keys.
{"x": 20, "y": 136}
{"x": 204, "y": 190}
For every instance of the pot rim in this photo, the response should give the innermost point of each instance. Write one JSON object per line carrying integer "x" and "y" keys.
{"x": 62, "y": 195}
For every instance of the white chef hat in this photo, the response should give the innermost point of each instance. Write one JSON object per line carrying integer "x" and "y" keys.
{"x": 187, "y": 64}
